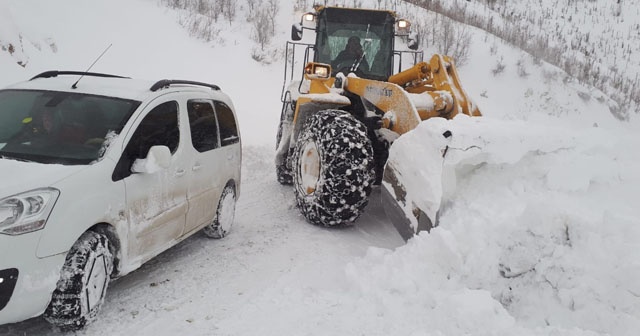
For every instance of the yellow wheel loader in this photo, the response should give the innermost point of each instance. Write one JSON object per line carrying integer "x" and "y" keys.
{"x": 363, "y": 85}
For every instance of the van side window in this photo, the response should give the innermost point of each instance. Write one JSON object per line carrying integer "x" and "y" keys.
{"x": 159, "y": 127}
{"x": 227, "y": 122}
{"x": 204, "y": 128}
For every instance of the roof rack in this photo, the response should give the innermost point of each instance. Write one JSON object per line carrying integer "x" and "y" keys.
{"x": 55, "y": 73}
{"x": 167, "y": 82}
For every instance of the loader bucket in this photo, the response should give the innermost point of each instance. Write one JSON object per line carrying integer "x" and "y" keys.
{"x": 393, "y": 195}
{"x": 412, "y": 181}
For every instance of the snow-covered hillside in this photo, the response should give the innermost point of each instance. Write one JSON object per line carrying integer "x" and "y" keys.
{"x": 539, "y": 230}
{"x": 594, "y": 41}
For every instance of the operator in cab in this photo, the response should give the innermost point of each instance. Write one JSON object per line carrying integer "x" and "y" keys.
{"x": 351, "y": 57}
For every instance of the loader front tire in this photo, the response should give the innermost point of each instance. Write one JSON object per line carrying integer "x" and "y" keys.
{"x": 333, "y": 168}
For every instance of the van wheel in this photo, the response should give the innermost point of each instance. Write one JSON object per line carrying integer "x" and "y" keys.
{"x": 223, "y": 220}
{"x": 83, "y": 283}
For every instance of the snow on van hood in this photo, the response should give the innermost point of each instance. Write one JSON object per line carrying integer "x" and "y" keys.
{"x": 19, "y": 176}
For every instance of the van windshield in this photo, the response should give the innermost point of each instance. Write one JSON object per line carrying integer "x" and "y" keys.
{"x": 59, "y": 127}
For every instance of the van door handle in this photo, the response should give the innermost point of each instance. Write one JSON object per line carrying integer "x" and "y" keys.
{"x": 179, "y": 172}
{"x": 196, "y": 167}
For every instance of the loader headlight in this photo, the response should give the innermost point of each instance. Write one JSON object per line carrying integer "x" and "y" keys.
{"x": 317, "y": 70}
{"x": 403, "y": 27}
{"x": 322, "y": 72}
{"x": 308, "y": 17}
{"x": 27, "y": 212}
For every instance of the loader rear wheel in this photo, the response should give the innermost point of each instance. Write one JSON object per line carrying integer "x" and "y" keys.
{"x": 283, "y": 170}
{"x": 333, "y": 168}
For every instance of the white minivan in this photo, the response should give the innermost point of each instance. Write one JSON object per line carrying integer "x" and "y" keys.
{"x": 100, "y": 173}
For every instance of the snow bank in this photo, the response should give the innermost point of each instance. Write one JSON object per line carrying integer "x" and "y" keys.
{"x": 537, "y": 236}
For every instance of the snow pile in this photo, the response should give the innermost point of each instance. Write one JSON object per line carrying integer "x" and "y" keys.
{"x": 536, "y": 230}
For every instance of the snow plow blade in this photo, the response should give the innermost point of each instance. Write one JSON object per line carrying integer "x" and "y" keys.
{"x": 393, "y": 195}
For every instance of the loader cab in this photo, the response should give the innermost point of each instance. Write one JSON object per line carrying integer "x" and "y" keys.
{"x": 373, "y": 30}
{"x": 378, "y": 33}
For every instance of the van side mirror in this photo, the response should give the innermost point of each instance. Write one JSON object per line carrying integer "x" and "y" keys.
{"x": 296, "y": 32}
{"x": 158, "y": 158}
{"x": 413, "y": 41}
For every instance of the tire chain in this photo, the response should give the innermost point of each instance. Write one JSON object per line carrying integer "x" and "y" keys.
{"x": 65, "y": 310}
{"x": 347, "y": 168}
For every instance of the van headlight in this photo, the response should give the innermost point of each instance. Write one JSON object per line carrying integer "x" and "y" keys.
{"x": 27, "y": 212}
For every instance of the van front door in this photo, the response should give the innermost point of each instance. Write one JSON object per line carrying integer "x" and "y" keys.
{"x": 156, "y": 198}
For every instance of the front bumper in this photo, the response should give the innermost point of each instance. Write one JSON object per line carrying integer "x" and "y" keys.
{"x": 28, "y": 281}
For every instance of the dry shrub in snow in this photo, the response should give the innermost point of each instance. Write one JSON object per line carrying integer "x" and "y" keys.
{"x": 445, "y": 36}
{"x": 522, "y": 68}
{"x": 499, "y": 67}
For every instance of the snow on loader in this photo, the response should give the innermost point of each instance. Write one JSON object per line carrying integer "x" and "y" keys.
{"x": 353, "y": 100}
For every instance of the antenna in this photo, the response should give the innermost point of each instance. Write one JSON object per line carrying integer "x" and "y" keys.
{"x": 75, "y": 85}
